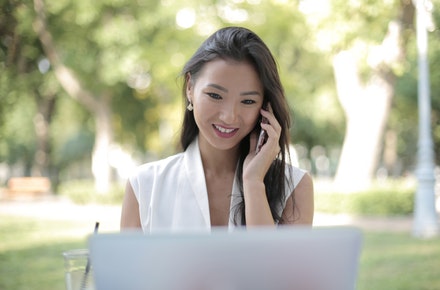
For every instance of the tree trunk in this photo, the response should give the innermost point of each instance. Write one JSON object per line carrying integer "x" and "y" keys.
{"x": 99, "y": 107}
{"x": 366, "y": 107}
{"x": 46, "y": 108}
{"x": 103, "y": 139}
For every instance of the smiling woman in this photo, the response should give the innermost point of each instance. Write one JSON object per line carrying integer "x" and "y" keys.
{"x": 227, "y": 97}
{"x": 233, "y": 94}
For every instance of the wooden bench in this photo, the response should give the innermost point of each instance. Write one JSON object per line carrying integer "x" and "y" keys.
{"x": 28, "y": 187}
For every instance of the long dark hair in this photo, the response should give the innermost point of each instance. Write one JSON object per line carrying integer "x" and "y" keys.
{"x": 241, "y": 44}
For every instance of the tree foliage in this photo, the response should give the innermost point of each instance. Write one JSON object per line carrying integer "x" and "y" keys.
{"x": 133, "y": 51}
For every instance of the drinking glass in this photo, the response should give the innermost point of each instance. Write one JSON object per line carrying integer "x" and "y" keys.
{"x": 78, "y": 271}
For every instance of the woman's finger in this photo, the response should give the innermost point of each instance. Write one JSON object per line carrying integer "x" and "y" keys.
{"x": 271, "y": 119}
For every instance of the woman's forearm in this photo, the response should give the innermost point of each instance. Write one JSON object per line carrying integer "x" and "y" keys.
{"x": 257, "y": 208}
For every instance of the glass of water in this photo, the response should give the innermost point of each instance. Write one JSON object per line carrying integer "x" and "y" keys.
{"x": 78, "y": 271}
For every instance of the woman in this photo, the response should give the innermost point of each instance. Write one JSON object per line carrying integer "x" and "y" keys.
{"x": 233, "y": 92}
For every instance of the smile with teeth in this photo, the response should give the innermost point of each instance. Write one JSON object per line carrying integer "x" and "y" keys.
{"x": 224, "y": 130}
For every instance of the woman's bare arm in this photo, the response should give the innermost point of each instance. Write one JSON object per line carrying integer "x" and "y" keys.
{"x": 257, "y": 208}
{"x": 300, "y": 211}
{"x": 130, "y": 218}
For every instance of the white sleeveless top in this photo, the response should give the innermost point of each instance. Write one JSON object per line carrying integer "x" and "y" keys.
{"x": 172, "y": 192}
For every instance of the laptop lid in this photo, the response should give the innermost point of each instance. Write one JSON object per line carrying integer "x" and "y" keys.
{"x": 266, "y": 259}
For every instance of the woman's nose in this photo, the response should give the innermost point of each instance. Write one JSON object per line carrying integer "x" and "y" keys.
{"x": 229, "y": 113}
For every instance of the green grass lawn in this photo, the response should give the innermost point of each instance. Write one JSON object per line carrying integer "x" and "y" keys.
{"x": 31, "y": 252}
{"x": 398, "y": 261}
{"x": 31, "y": 256}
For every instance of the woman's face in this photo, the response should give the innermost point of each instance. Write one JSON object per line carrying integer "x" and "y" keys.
{"x": 227, "y": 96}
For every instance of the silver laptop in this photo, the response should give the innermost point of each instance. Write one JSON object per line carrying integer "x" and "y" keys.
{"x": 263, "y": 259}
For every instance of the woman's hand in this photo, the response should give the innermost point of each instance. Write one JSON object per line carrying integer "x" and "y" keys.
{"x": 256, "y": 165}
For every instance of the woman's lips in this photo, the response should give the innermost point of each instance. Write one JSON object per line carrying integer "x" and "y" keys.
{"x": 224, "y": 132}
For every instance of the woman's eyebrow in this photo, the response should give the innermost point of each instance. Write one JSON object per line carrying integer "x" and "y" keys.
{"x": 250, "y": 93}
{"x": 218, "y": 87}
{"x": 223, "y": 89}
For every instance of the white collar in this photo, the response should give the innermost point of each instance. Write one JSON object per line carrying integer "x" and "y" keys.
{"x": 196, "y": 176}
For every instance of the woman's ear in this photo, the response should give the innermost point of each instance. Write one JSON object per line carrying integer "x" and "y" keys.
{"x": 189, "y": 87}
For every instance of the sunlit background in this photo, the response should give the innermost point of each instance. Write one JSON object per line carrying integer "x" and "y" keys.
{"x": 112, "y": 67}
{"x": 91, "y": 89}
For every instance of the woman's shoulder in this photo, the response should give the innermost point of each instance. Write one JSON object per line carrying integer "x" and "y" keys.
{"x": 294, "y": 174}
{"x": 157, "y": 166}
{"x": 168, "y": 166}
{"x": 294, "y": 171}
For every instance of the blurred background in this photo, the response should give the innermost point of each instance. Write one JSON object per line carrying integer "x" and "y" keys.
{"x": 91, "y": 89}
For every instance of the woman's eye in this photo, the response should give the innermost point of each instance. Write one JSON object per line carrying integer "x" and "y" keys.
{"x": 214, "y": 96}
{"x": 248, "y": 102}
